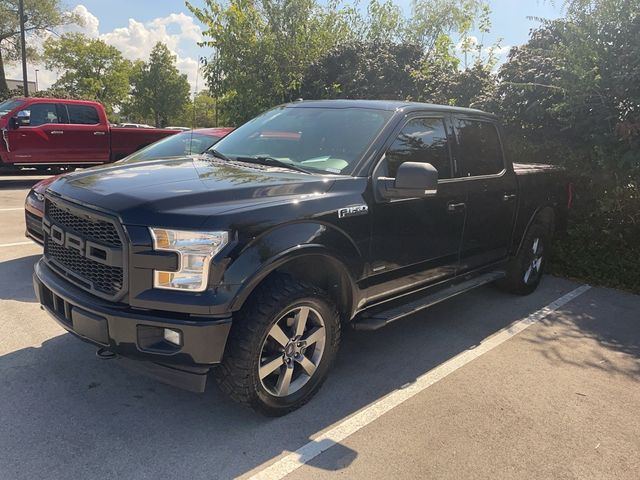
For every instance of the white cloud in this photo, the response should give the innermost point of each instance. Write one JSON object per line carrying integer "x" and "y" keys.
{"x": 89, "y": 22}
{"x": 135, "y": 41}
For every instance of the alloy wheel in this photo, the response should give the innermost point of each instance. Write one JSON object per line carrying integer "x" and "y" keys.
{"x": 535, "y": 266}
{"x": 292, "y": 351}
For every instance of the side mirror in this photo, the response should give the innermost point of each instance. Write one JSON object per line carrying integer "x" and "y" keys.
{"x": 23, "y": 118}
{"x": 413, "y": 180}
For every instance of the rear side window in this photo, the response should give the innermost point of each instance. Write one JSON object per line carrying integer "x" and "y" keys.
{"x": 479, "y": 148}
{"x": 422, "y": 140}
{"x": 83, "y": 114}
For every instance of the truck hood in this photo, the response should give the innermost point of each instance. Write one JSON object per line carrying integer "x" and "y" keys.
{"x": 183, "y": 192}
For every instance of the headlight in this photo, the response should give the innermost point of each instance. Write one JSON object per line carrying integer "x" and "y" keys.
{"x": 195, "y": 251}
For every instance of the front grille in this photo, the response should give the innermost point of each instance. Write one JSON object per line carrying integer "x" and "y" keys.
{"x": 96, "y": 230}
{"x": 86, "y": 248}
{"x": 104, "y": 278}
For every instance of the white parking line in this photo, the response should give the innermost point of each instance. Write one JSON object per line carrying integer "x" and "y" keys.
{"x": 16, "y": 244}
{"x": 11, "y": 209}
{"x": 351, "y": 425}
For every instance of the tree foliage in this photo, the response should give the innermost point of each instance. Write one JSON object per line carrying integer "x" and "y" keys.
{"x": 159, "y": 90}
{"x": 263, "y": 48}
{"x": 571, "y": 95}
{"x": 273, "y": 51}
{"x": 201, "y": 112}
{"x": 90, "y": 68}
{"x": 42, "y": 16}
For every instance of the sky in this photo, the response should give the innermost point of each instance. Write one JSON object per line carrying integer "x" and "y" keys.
{"x": 134, "y": 26}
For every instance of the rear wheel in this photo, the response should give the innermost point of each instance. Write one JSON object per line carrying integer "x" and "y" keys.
{"x": 525, "y": 269}
{"x": 280, "y": 348}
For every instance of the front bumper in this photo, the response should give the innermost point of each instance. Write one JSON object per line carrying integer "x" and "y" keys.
{"x": 135, "y": 334}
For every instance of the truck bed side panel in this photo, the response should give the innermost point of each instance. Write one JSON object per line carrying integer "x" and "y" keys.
{"x": 539, "y": 186}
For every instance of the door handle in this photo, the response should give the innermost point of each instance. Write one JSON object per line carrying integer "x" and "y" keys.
{"x": 99, "y": 133}
{"x": 56, "y": 132}
{"x": 509, "y": 196}
{"x": 455, "y": 207}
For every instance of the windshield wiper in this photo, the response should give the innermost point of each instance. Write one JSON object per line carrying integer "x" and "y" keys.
{"x": 215, "y": 153}
{"x": 272, "y": 162}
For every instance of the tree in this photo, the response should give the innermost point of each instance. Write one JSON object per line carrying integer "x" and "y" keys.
{"x": 571, "y": 96}
{"x": 159, "y": 89}
{"x": 201, "y": 112}
{"x": 91, "y": 69}
{"x": 42, "y": 16}
{"x": 364, "y": 70}
{"x": 263, "y": 48}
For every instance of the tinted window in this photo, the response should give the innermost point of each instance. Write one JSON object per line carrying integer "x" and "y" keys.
{"x": 41, "y": 113}
{"x": 83, "y": 114}
{"x": 315, "y": 138}
{"x": 421, "y": 140}
{"x": 479, "y": 148}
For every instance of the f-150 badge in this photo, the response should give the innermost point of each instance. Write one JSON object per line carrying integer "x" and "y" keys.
{"x": 353, "y": 211}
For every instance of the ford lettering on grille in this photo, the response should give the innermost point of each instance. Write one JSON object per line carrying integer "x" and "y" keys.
{"x": 85, "y": 247}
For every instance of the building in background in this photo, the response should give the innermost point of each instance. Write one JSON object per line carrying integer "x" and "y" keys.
{"x": 14, "y": 84}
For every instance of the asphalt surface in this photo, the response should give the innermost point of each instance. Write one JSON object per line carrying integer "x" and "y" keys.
{"x": 559, "y": 400}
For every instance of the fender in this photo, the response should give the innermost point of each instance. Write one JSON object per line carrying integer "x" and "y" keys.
{"x": 284, "y": 244}
{"x": 534, "y": 215}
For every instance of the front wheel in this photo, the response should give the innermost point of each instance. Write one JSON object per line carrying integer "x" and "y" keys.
{"x": 524, "y": 272}
{"x": 281, "y": 346}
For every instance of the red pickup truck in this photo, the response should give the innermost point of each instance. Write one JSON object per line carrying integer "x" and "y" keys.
{"x": 50, "y": 132}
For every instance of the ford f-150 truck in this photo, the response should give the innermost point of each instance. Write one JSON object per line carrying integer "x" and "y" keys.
{"x": 45, "y": 133}
{"x": 247, "y": 261}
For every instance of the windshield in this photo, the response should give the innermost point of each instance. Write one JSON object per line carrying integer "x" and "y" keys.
{"x": 8, "y": 105}
{"x": 323, "y": 139}
{"x": 177, "y": 145}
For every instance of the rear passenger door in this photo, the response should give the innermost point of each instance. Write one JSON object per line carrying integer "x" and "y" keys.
{"x": 491, "y": 190}
{"x": 86, "y": 137}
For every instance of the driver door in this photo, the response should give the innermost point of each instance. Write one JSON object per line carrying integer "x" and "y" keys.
{"x": 417, "y": 241}
{"x": 40, "y": 137}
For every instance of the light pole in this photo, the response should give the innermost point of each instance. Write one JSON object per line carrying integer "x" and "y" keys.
{"x": 25, "y": 82}
{"x": 37, "y": 79}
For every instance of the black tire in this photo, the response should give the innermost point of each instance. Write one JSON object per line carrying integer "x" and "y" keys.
{"x": 239, "y": 373}
{"x": 522, "y": 277}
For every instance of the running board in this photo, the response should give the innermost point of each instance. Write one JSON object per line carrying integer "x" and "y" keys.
{"x": 381, "y": 318}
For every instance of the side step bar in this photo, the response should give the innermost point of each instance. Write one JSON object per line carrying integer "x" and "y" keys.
{"x": 383, "y": 317}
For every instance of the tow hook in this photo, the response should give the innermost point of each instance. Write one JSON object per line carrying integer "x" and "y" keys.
{"x": 104, "y": 354}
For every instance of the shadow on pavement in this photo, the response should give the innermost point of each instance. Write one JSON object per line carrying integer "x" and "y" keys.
{"x": 17, "y": 284}
{"x": 66, "y": 414}
{"x": 613, "y": 325}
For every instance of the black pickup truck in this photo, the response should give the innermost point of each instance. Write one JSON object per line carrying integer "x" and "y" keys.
{"x": 247, "y": 261}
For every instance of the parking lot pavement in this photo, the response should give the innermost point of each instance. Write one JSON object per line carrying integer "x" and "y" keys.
{"x": 559, "y": 400}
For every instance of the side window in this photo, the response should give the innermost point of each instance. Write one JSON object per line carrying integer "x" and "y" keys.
{"x": 479, "y": 148}
{"x": 39, "y": 114}
{"x": 83, "y": 114}
{"x": 421, "y": 140}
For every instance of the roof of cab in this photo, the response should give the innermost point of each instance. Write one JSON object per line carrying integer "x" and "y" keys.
{"x": 394, "y": 105}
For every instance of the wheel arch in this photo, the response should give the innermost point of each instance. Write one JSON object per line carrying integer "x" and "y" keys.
{"x": 314, "y": 253}
{"x": 544, "y": 214}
